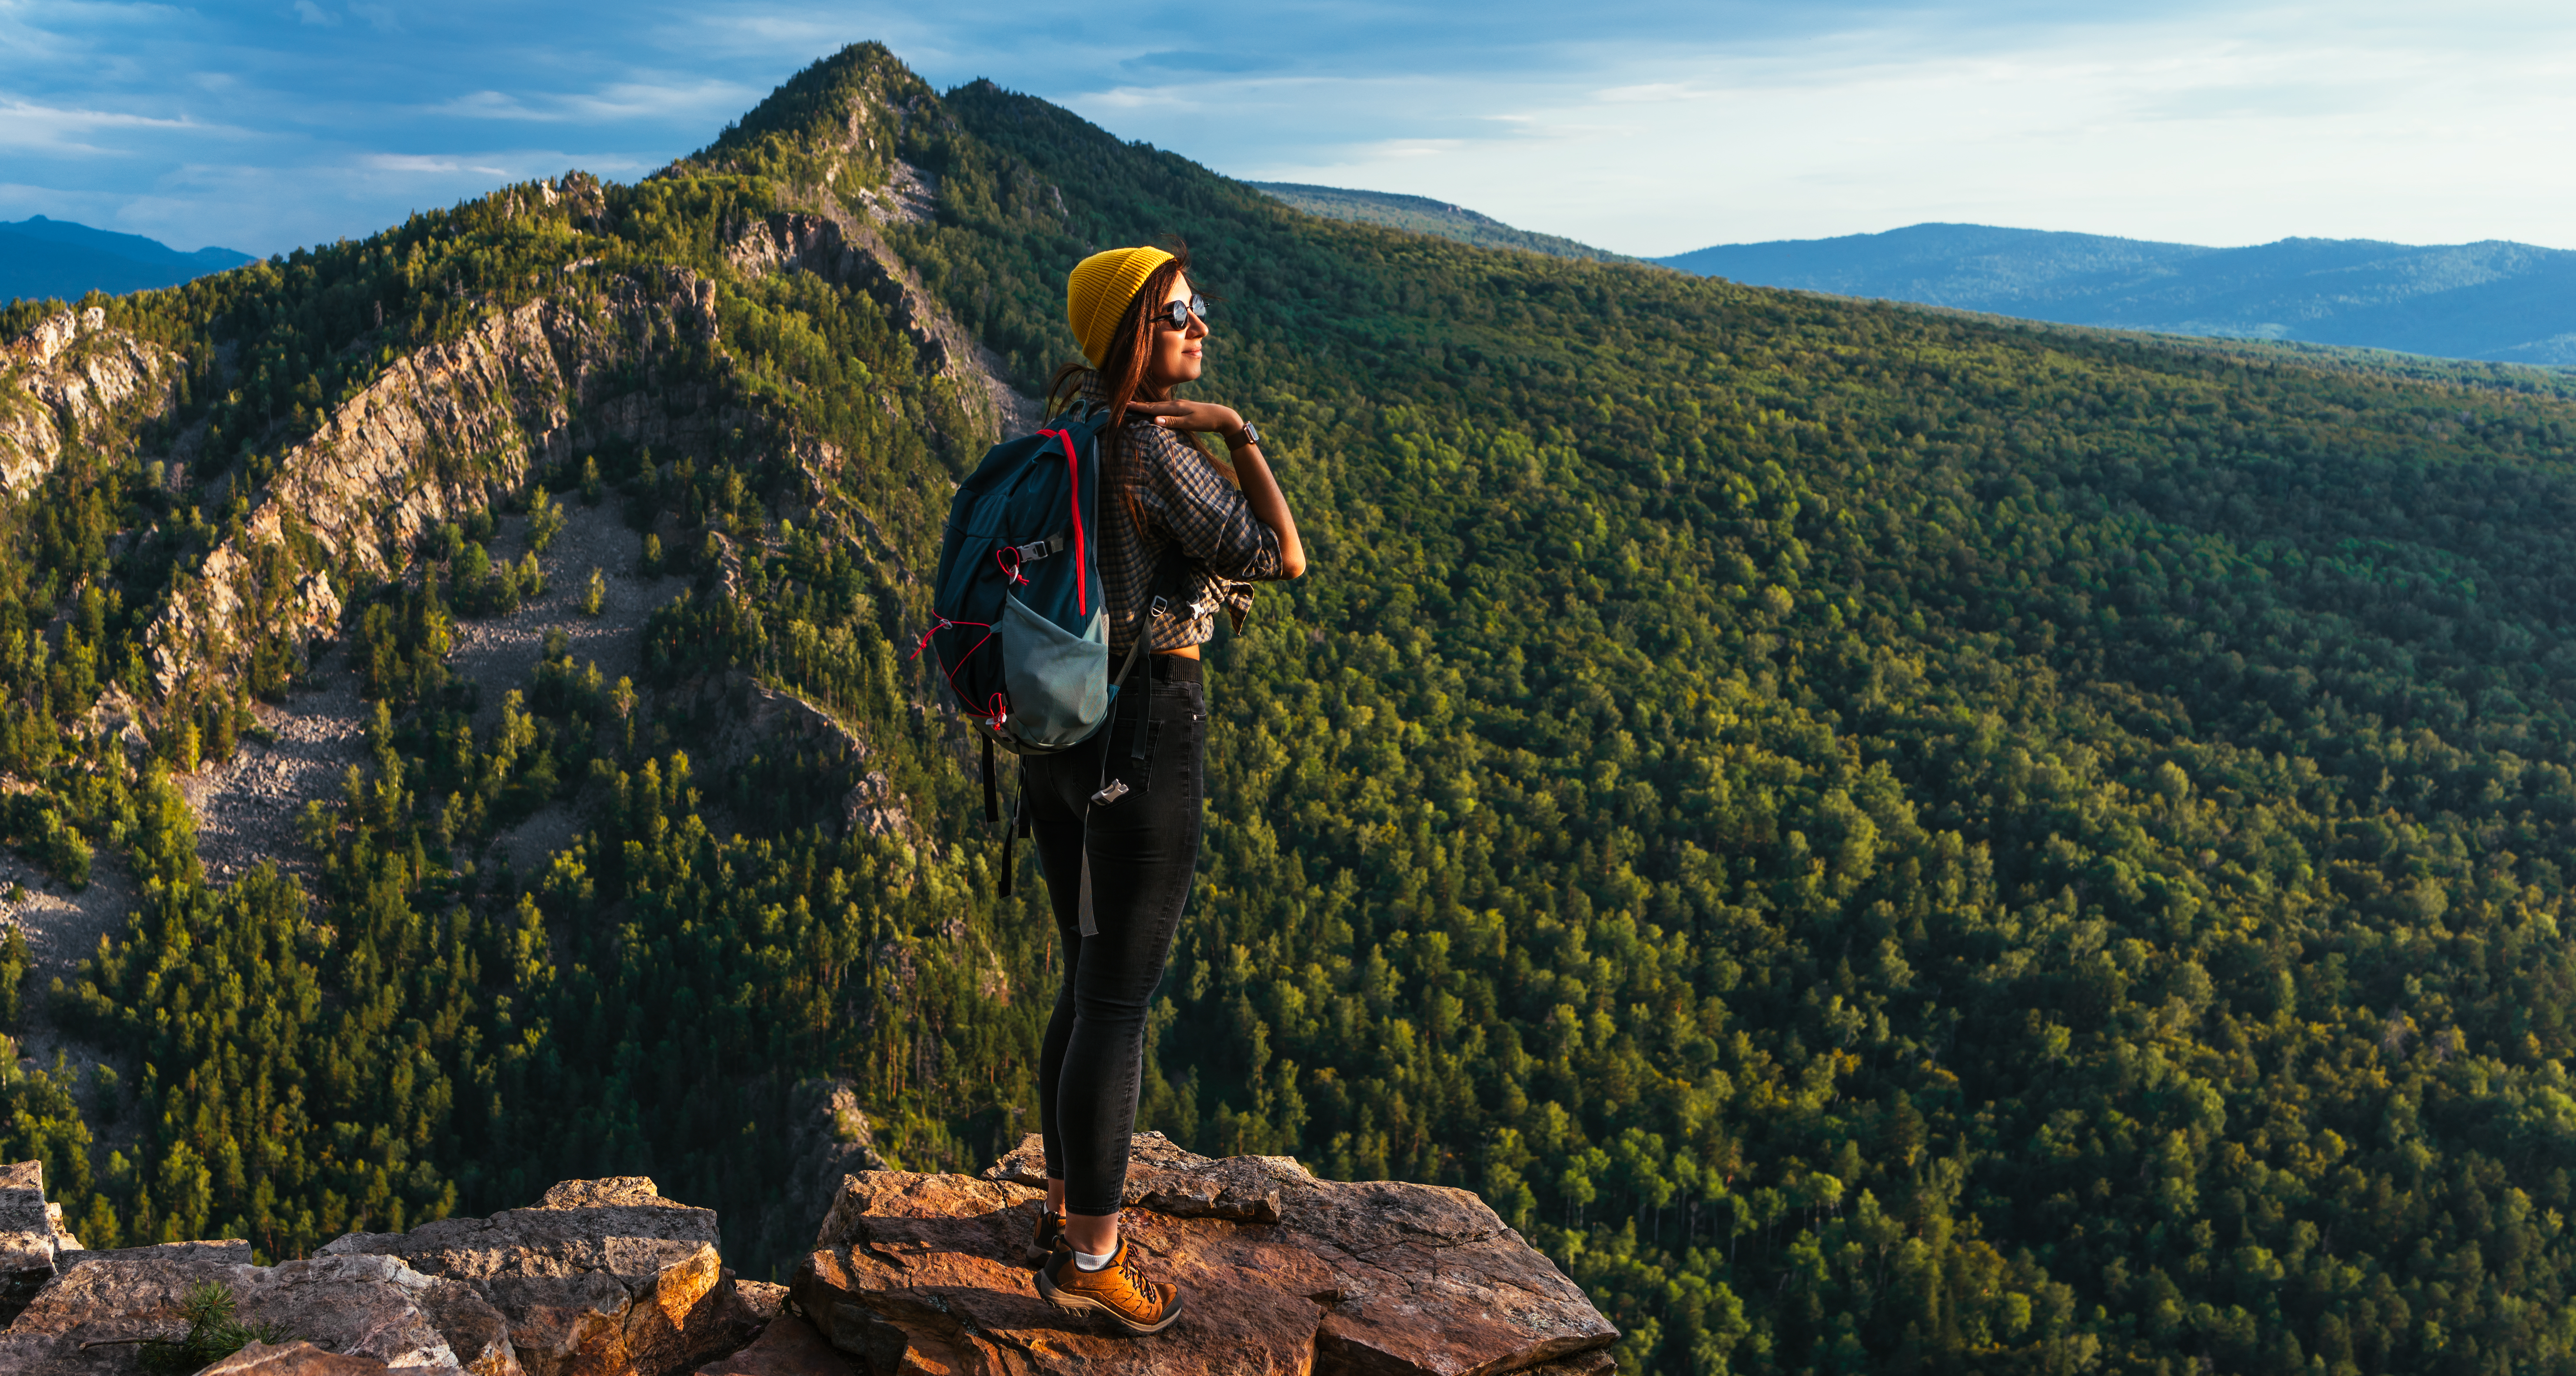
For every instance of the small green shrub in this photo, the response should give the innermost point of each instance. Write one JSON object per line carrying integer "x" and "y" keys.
{"x": 213, "y": 1332}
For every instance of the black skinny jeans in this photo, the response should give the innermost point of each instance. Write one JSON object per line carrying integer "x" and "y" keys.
{"x": 1143, "y": 851}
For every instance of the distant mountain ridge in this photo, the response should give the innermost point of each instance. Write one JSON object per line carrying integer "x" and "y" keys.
{"x": 2494, "y": 300}
{"x": 1423, "y": 215}
{"x": 41, "y": 258}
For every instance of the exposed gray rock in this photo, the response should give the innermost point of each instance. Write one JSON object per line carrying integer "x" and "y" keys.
{"x": 32, "y": 1236}
{"x": 65, "y": 375}
{"x": 292, "y": 1359}
{"x": 476, "y": 1332}
{"x": 230, "y": 1251}
{"x": 91, "y": 1320}
{"x": 601, "y": 1278}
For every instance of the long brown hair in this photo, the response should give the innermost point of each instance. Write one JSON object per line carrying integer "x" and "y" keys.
{"x": 1121, "y": 375}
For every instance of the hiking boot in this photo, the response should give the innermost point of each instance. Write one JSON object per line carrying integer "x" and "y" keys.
{"x": 1118, "y": 1289}
{"x": 1050, "y": 1227}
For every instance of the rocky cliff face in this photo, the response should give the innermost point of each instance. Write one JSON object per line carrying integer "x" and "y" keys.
{"x": 909, "y": 1275}
{"x": 437, "y": 435}
{"x": 66, "y": 376}
{"x": 849, "y": 252}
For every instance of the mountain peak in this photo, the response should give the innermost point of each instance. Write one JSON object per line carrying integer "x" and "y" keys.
{"x": 845, "y": 113}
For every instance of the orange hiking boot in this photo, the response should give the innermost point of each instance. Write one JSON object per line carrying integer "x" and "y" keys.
{"x": 1118, "y": 1289}
{"x": 1050, "y": 1227}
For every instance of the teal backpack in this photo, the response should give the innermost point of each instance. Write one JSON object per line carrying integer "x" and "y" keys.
{"x": 1020, "y": 626}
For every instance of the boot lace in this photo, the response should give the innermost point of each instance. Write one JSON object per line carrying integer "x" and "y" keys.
{"x": 1131, "y": 1268}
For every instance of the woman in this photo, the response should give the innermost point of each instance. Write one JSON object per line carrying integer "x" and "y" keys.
{"x": 1116, "y": 819}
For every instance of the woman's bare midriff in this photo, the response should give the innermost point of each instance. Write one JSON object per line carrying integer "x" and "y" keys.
{"x": 1185, "y": 652}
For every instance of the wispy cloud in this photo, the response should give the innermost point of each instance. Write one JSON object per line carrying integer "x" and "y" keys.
{"x": 619, "y": 102}
{"x": 419, "y": 163}
{"x": 27, "y": 125}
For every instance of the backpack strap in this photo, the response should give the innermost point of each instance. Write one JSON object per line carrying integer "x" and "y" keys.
{"x": 992, "y": 801}
{"x": 1019, "y": 828}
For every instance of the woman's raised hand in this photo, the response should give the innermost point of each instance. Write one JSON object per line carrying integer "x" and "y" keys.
{"x": 1189, "y": 415}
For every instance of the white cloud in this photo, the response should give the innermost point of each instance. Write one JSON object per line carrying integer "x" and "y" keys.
{"x": 615, "y": 103}
{"x": 27, "y": 125}
{"x": 315, "y": 14}
{"x": 429, "y": 164}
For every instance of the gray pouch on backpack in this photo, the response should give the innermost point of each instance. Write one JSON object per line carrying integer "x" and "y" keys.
{"x": 1059, "y": 683}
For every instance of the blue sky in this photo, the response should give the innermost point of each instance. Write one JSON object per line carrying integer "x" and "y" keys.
{"x": 1648, "y": 128}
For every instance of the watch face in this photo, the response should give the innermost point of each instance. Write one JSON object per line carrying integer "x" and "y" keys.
{"x": 1251, "y": 433}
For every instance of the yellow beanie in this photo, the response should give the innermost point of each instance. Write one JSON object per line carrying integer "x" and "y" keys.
{"x": 1097, "y": 293}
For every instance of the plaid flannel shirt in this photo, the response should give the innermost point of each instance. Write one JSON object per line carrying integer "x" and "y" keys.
{"x": 1186, "y": 501}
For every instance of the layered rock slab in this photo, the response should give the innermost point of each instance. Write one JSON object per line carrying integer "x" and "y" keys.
{"x": 1282, "y": 1272}
{"x": 600, "y": 1278}
{"x": 92, "y": 1320}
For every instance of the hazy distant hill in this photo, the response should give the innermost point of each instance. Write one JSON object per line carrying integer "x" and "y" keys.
{"x": 41, "y": 258}
{"x": 1423, "y": 215}
{"x": 2491, "y": 300}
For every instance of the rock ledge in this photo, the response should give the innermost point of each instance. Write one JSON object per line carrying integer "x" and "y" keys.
{"x": 1285, "y": 1273}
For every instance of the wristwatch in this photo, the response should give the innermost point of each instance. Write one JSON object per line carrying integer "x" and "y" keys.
{"x": 1249, "y": 434}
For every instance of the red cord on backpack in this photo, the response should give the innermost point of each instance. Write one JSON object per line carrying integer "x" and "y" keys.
{"x": 1073, "y": 475}
{"x": 997, "y": 711}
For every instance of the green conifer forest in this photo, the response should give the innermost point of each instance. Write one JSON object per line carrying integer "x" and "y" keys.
{"x": 1881, "y": 840}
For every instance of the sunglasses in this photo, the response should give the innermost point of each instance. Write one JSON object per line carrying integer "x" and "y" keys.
{"x": 1176, "y": 315}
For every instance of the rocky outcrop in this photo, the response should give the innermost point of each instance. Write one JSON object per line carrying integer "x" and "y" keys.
{"x": 94, "y": 1318}
{"x": 909, "y": 1275}
{"x": 32, "y": 1236}
{"x": 762, "y": 718}
{"x": 600, "y": 1278}
{"x": 1286, "y": 1273}
{"x": 849, "y": 252}
{"x": 292, "y": 1359}
{"x": 433, "y": 438}
{"x": 852, "y": 255}
{"x": 65, "y": 376}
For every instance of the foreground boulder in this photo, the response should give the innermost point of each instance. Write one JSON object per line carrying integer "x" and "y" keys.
{"x": 92, "y": 1319}
{"x": 1284, "y": 1273}
{"x": 601, "y": 1278}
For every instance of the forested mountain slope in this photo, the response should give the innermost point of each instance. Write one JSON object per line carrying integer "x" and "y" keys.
{"x": 1882, "y": 840}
